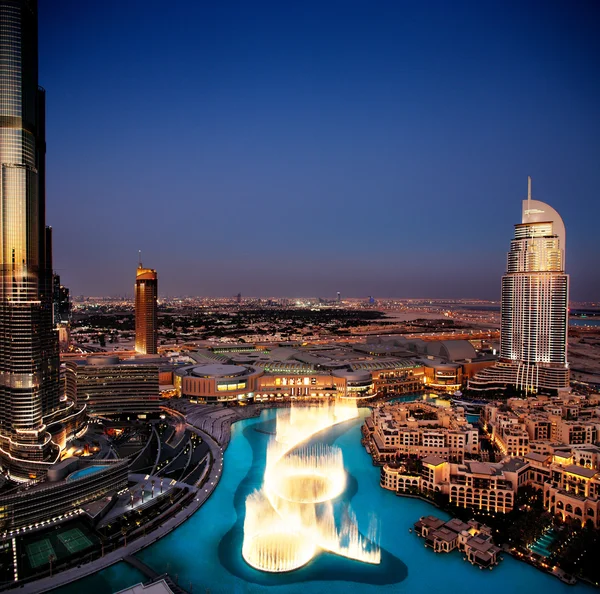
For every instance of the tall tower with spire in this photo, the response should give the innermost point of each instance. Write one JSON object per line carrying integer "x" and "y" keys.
{"x": 146, "y": 310}
{"x": 29, "y": 360}
{"x": 534, "y": 309}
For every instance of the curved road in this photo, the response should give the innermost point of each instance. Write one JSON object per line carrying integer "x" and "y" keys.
{"x": 70, "y": 575}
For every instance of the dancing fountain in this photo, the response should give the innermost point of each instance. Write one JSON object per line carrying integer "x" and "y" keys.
{"x": 292, "y": 516}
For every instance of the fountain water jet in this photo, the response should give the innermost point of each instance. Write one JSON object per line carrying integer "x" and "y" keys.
{"x": 291, "y": 518}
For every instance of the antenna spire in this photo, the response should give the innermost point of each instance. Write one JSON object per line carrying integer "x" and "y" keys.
{"x": 139, "y": 258}
{"x": 529, "y": 192}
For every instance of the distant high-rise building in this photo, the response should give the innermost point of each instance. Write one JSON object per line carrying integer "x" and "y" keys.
{"x": 61, "y": 302}
{"x": 239, "y": 298}
{"x": 534, "y": 310}
{"x": 61, "y": 313}
{"x": 339, "y": 297}
{"x": 29, "y": 362}
{"x": 146, "y": 311}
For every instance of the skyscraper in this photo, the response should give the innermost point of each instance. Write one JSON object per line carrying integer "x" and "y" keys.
{"x": 29, "y": 363}
{"x": 534, "y": 310}
{"x": 61, "y": 312}
{"x": 61, "y": 302}
{"x": 146, "y": 310}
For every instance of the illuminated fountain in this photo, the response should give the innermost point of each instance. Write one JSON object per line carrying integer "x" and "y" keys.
{"x": 312, "y": 475}
{"x": 292, "y": 517}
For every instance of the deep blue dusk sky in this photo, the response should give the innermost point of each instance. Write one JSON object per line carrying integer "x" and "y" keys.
{"x": 304, "y": 148}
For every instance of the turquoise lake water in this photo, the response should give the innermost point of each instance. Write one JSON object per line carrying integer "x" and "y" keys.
{"x": 205, "y": 551}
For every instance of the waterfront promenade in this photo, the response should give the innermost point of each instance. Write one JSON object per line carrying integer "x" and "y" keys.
{"x": 221, "y": 425}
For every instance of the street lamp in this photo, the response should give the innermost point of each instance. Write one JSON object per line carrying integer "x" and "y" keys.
{"x": 51, "y": 558}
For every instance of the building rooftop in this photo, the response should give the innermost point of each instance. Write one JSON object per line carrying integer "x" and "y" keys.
{"x": 216, "y": 370}
{"x": 456, "y": 525}
{"x": 514, "y": 464}
{"x": 431, "y": 522}
{"x": 581, "y": 471}
{"x": 537, "y": 457}
{"x": 452, "y": 350}
{"x": 444, "y": 533}
{"x": 592, "y": 449}
{"x": 383, "y": 364}
{"x": 433, "y": 460}
{"x": 481, "y": 543}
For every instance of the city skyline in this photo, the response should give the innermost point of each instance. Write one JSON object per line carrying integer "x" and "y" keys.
{"x": 238, "y": 444}
{"x": 301, "y": 156}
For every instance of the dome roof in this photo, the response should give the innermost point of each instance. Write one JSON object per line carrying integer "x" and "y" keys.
{"x": 216, "y": 371}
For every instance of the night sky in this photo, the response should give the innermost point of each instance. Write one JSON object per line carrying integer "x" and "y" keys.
{"x": 303, "y": 148}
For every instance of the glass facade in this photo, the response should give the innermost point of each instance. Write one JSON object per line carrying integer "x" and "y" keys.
{"x": 535, "y": 292}
{"x": 534, "y": 307}
{"x": 29, "y": 363}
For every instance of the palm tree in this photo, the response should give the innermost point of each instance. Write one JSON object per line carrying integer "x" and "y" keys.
{"x": 124, "y": 533}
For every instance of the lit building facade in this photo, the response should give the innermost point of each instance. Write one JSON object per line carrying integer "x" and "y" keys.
{"x": 417, "y": 430}
{"x": 397, "y": 376}
{"x": 222, "y": 383}
{"x": 473, "y": 485}
{"x": 108, "y": 386}
{"x": 215, "y": 383}
{"x": 71, "y": 484}
{"x": 534, "y": 310}
{"x": 285, "y": 384}
{"x": 29, "y": 359}
{"x": 146, "y": 311}
{"x": 573, "y": 492}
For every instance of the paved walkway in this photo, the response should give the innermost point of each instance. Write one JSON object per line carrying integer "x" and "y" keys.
{"x": 217, "y": 421}
{"x": 141, "y": 567}
{"x": 143, "y": 482}
{"x": 75, "y": 573}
